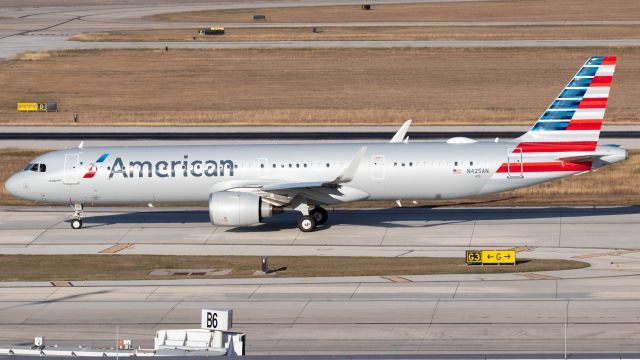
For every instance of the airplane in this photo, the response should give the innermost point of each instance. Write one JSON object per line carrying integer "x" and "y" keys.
{"x": 246, "y": 183}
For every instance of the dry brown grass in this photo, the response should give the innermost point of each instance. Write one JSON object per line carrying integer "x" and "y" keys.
{"x": 306, "y": 86}
{"x": 126, "y": 267}
{"x": 374, "y": 33}
{"x": 32, "y": 56}
{"x": 504, "y": 10}
{"x": 12, "y": 161}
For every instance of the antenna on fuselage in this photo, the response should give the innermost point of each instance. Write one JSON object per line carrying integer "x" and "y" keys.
{"x": 81, "y": 145}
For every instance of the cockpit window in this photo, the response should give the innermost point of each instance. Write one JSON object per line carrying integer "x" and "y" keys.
{"x": 36, "y": 167}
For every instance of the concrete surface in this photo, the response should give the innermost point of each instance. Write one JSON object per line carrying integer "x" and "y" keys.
{"x": 519, "y": 313}
{"x": 27, "y": 229}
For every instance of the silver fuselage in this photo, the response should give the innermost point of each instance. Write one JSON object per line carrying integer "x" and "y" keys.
{"x": 170, "y": 174}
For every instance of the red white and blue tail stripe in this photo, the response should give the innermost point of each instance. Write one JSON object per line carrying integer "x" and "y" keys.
{"x": 573, "y": 121}
{"x": 564, "y": 140}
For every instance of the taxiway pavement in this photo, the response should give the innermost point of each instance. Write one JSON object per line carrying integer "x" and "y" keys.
{"x": 25, "y": 28}
{"x": 523, "y": 313}
{"x": 50, "y": 137}
{"x": 174, "y": 231}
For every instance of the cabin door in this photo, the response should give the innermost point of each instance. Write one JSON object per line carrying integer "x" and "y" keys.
{"x": 71, "y": 169}
{"x": 514, "y": 163}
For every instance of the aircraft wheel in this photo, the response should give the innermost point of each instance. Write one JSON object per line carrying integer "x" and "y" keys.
{"x": 320, "y": 214}
{"x": 76, "y": 224}
{"x": 307, "y": 223}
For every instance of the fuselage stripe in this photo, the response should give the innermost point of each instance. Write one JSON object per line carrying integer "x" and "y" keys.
{"x": 545, "y": 167}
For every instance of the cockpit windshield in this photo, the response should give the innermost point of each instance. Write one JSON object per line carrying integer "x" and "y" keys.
{"x": 36, "y": 168}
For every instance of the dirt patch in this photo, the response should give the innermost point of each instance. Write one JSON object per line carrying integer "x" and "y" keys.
{"x": 504, "y": 10}
{"x": 373, "y": 33}
{"x": 129, "y": 267}
{"x": 250, "y": 87}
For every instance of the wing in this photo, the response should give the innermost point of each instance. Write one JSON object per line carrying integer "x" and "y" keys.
{"x": 328, "y": 191}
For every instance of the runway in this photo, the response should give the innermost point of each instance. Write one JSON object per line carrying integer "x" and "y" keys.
{"x": 522, "y": 313}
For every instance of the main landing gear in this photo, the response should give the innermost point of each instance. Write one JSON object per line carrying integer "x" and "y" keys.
{"x": 315, "y": 217}
{"x": 76, "y": 222}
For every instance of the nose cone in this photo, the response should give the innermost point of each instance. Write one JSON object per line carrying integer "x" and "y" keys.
{"x": 13, "y": 185}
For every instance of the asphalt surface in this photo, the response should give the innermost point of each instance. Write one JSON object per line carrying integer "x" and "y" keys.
{"x": 48, "y": 137}
{"x": 475, "y": 314}
{"x": 278, "y": 135}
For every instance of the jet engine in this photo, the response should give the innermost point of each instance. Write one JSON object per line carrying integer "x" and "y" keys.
{"x": 232, "y": 208}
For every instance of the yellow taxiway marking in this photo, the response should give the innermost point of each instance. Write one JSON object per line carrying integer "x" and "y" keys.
{"x": 397, "y": 279}
{"x": 115, "y": 248}
{"x": 534, "y": 276}
{"x": 608, "y": 253}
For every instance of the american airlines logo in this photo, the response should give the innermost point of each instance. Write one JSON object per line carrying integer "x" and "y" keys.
{"x": 94, "y": 167}
{"x": 165, "y": 169}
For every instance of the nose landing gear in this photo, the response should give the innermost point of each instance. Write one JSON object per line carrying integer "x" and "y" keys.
{"x": 76, "y": 222}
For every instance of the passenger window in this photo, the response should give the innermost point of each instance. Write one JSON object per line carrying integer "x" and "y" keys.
{"x": 471, "y": 163}
{"x": 327, "y": 164}
{"x": 410, "y": 164}
{"x": 455, "y": 163}
{"x": 262, "y": 166}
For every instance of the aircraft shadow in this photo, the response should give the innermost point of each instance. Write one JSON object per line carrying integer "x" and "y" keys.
{"x": 390, "y": 217}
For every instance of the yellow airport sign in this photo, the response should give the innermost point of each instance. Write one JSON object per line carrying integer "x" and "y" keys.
{"x": 474, "y": 257}
{"x": 490, "y": 257}
{"x": 498, "y": 257}
{"x": 31, "y": 106}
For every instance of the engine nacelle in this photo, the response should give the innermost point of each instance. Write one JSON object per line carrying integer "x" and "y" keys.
{"x": 232, "y": 208}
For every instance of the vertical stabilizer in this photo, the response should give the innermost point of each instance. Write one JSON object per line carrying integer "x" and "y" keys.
{"x": 573, "y": 121}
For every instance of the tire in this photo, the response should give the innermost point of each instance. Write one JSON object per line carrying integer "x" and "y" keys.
{"x": 76, "y": 224}
{"x": 307, "y": 223}
{"x": 320, "y": 214}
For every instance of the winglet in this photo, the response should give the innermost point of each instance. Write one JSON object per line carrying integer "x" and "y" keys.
{"x": 399, "y": 136}
{"x": 350, "y": 171}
